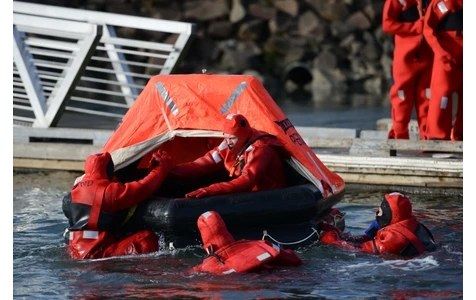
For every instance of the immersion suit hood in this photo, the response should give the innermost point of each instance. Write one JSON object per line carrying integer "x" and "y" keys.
{"x": 401, "y": 207}
{"x": 238, "y": 126}
{"x": 395, "y": 207}
{"x": 99, "y": 166}
{"x": 213, "y": 231}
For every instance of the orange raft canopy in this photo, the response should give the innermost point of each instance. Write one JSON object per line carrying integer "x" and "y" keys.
{"x": 183, "y": 114}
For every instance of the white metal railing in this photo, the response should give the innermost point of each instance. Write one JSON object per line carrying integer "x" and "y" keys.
{"x": 82, "y": 62}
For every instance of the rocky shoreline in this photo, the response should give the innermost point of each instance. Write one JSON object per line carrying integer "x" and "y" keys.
{"x": 321, "y": 52}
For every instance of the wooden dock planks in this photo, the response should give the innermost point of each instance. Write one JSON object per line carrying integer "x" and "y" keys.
{"x": 424, "y": 172}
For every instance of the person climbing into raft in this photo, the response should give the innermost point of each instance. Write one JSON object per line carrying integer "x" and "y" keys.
{"x": 394, "y": 231}
{"x": 100, "y": 205}
{"x": 253, "y": 160}
{"x": 226, "y": 256}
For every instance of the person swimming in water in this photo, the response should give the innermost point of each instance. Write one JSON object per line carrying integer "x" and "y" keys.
{"x": 395, "y": 230}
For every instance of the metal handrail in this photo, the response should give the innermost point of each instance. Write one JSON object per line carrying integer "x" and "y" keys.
{"x": 64, "y": 57}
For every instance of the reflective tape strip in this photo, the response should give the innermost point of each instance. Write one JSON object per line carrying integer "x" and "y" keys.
{"x": 428, "y": 93}
{"x": 249, "y": 148}
{"x": 442, "y": 7}
{"x": 444, "y": 102}
{"x": 216, "y": 157}
{"x": 236, "y": 93}
{"x": 276, "y": 247}
{"x": 71, "y": 235}
{"x": 401, "y": 94}
{"x": 206, "y": 214}
{"x": 222, "y": 146}
{"x": 263, "y": 256}
{"x": 167, "y": 99}
{"x": 229, "y": 271}
{"x": 90, "y": 234}
{"x": 403, "y": 2}
{"x": 230, "y": 116}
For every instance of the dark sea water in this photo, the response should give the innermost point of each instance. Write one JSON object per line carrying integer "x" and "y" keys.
{"x": 41, "y": 268}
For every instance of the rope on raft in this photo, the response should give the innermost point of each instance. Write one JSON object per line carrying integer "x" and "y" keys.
{"x": 314, "y": 232}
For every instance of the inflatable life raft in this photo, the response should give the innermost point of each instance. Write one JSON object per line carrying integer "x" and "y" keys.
{"x": 287, "y": 216}
{"x": 184, "y": 114}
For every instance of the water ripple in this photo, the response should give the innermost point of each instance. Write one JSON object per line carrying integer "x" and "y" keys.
{"x": 410, "y": 265}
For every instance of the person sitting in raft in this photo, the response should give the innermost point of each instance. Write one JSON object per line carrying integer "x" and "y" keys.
{"x": 394, "y": 231}
{"x": 100, "y": 205}
{"x": 226, "y": 256}
{"x": 251, "y": 158}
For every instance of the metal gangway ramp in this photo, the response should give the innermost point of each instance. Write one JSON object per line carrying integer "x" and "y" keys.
{"x": 89, "y": 65}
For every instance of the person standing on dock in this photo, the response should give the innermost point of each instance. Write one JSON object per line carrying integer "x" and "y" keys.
{"x": 444, "y": 32}
{"x": 253, "y": 160}
{"x": 394, "y": 231}
{"x": 412, "y": 63}
{"x": 100, "y": 205}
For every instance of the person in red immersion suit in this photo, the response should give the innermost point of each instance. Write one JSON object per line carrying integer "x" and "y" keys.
{"x": 412, "y": 62}
{"x": 444, "y": 32}
{"x": 226, "y": 256}
{"x": 253, "y": 160}
{"x": 394, "y": 231}
{"x": 100, "y": 206}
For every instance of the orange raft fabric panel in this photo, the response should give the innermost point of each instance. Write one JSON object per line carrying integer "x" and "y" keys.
{"x": 201, "y": 102}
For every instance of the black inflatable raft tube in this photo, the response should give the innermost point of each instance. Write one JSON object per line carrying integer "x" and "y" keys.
{"x": 287, "y": 214}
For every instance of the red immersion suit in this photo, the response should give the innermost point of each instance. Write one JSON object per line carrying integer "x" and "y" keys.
{"x": 99, "y": 206}
{"x": 412, "y": 61}
{"x": 400, "y": 233}
{"x": 254, "y": 162}
{"x": 444, "y": 32}
{"x": 228, "y": 256}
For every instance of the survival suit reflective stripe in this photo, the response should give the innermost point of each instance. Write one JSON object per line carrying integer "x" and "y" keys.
{"x": 83, "y": 234}
{"x": 263, "y": 256}
{"x": 453, "y": 21}
{"x": 230, "y": 101}
{"x": 96, "y": 205}
{"x": 414, "y": 240}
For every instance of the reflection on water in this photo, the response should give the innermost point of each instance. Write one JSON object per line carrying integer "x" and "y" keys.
{"x": 42, "y": 269}
{"x": 360, "y": 118}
